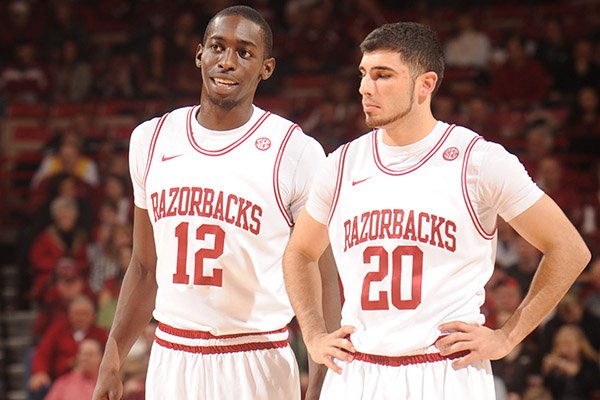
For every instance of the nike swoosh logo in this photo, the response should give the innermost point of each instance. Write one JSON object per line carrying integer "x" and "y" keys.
{"x": 165, "y": 158}
{"x": 360, "y": 181}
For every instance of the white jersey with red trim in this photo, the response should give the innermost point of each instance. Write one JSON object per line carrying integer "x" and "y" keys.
{"x": 222, "y": 205}
{"x": 409, "y": 246}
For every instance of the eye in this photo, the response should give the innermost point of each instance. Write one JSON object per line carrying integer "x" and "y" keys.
{"x": 216, "y": 47}
{"x": 244, "y": 53}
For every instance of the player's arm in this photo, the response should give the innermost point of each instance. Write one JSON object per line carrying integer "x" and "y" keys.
{"x": 546, "y": 227}
{"x": 134, "y": 308}
{"x": 304, "y": 286}
{"x": 331, "y": 306}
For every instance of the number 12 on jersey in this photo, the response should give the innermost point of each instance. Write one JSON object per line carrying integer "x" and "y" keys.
{"x": 200, "y": 278}
{"x": 402, "y": 275}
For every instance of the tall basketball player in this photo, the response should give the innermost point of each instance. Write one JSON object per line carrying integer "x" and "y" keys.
{"x": 217, "y": 189}
{"x": 410, "y": 211}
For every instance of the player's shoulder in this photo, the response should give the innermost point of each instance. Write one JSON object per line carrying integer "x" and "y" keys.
{"x": 146, "y": 129}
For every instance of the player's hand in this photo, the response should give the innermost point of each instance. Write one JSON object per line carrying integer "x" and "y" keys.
{"x": 481, "y": 342}
{"x": 325, "y": 347}
{"x": 109, "y": 386}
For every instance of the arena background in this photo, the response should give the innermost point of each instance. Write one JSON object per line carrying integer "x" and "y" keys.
{"x": 85, "y": 72}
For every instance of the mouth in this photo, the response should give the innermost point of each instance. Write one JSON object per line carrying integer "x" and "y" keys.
{"x": 224, "y": 82}
{"x": 369, "y": 107}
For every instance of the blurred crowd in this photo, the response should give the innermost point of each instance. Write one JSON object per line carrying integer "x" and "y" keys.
{"x": 525, "y": 74}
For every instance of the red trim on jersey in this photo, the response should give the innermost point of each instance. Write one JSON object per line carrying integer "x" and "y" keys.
{"x": 228, "y": 148}
{"x": 193, "y": 334}
{"x": 276, "y": 188}
{"x": 232, "y": 348}
{"x": 338, "y": 182}
{"x": 406, "y": 360}
{"x": 418, "y": 164}
{"x": 157, "y": 129}
{"x": 467, "y": 198}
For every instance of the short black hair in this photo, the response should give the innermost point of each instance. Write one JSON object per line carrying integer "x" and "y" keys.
{"x": 416, "y": 43}
{"x": 250, "y": 14}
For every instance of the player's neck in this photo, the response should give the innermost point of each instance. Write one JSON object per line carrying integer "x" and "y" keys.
{"x": 409, "y": 129}
{"x": 218, "y": 118}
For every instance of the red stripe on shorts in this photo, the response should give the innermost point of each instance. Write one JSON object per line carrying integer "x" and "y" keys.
{"x": 191, "y": 334}
{"x": 406, "y": 360}
{"x": 233, "y": 348}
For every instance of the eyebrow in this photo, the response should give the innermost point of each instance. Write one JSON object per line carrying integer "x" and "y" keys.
{"x": 239, "y": 41}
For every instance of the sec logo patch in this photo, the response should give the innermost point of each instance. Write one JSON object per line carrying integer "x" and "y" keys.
{"x": 451, "y": 153}
{"x": 262, "y": 143}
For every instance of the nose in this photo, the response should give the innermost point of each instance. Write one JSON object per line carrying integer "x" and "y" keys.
{"x": 366, "y": 86}
{"x": 228, "y": 60}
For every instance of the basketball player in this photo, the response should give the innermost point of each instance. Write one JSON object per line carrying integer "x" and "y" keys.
{"x": 410, "y": 211}
{"x": 217, "y": 189}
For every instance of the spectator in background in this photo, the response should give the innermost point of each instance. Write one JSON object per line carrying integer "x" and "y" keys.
{"x": 468, "y": 47}
{"x": 66, "y": 23}
{"x": 153, "y": 75}
{"x": 589, "y": 292}
{"x": 512, "y": 85}
{"x": 590, "y": 224}
{"x": 109, "y": 294}
{"x": 528, "y": 260}
{"x": 506, "y": 247}
{"x": 570, "y": 311}
{"x": 20, "y": 25}
{"x": 105, "y": 263}
{"x": 24, "y": 80}
{"x": 114, "y": 188}
{"x": 62, "y": 238}
{"x": 571, "y": 370}
{"x": 581, "y": 71}
{"x": 80, "y": 383}
{"x": 183, "y": 30}
{"x": 314, "y": 43}
{"x": 551, "y": 176}
{"x": 60, "y": 185}
{"x": 553, "y": 52}
{"x": 57, "y": 348}
{"x": 68, "y": 158}
{"x": 72, "y": 76}
{"x": 115, "y": 78}
{"x": 583, "y": 123}
{"x": 539, "y": 143}
{"x": 68, "y": 283}
{"x": 185, "y": 75}
{"x": 478, "y": 115}
{"x": 331, "y": 121}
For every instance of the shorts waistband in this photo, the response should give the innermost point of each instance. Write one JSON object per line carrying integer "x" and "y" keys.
{"x": 398, "y": 361}
{"x": 202, "y": 342}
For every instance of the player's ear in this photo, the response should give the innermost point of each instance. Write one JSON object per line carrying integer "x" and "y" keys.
{"x": 267, "y": 68}
{"x": 427, "y": 82}
{"x": 199, "y": 55}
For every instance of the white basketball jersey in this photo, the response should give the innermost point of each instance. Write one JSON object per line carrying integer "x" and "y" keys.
{"x": 410, "y": 253}
{"x": 220, "y": 225}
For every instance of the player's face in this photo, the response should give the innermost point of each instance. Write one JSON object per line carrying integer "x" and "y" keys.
{"x": 387, "y": 88}
{"x": 233, "y": 61}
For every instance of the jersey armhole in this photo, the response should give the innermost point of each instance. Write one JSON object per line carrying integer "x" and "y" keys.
{"x": 465, "y": 190}
{"x": 152, "y": 146}
{"x": 277, "y": 190}
{"x": 338, "y": 182}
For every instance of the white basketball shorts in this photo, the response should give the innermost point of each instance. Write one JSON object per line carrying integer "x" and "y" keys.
{"x": 421, "y": 377}
{"x": 197, "y": 365}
